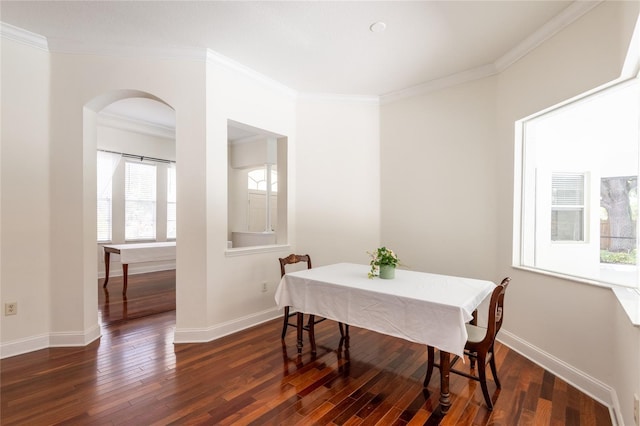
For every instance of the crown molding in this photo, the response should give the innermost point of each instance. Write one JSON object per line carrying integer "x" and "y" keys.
{"x": 440, "y": 83}
{"x": 121, "y": 122}
{"x": 76, "y": 47}
{"x": 333, "y": 97}
{"x": 573, "y": 12}
{"x": 216, "y": 58}
{"x": 23, "y": 36}
{"x": 631, "y": 67}
{"x": 565, "y": 18}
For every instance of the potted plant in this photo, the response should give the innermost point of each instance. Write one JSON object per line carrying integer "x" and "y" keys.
{"x": 383, "y": 263}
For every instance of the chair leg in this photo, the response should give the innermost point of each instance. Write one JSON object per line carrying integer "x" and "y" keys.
{"x": 430, "y": 363}
{"x": 494, "y": 370}
{"x": 286, "y": 322}
{"x": 472, "y": 360}
{"x": 482, "y": 373}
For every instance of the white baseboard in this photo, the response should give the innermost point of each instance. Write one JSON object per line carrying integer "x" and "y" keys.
{"x": 577, "y": 378}
{"x": 23, "y": 346}
{"x": 67, "y": 339}
{"x": 115, "y": 270}
{"x": 199, "y": 335}
{"x": 48, "y": 340}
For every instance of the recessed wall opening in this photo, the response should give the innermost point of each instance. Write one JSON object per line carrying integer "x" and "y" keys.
{"x": 257, "y": 187}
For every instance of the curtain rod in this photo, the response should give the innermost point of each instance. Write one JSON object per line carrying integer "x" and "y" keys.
{"x": 139, "y": 157}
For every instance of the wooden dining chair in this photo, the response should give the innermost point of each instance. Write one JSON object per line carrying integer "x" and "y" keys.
{"x": 292, "y": 259}
{"x": 479, "y": 346}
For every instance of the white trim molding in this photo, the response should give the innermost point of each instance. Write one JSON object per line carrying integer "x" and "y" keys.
{"x": 201, "y": 335}
{"x": 136, "y": 125}
{"x": 565, "y": 18}
{"x": 218, "y": 59}
{"x": 23, "y": 36}
{"x": 573, "y": 12}
{"x": 50, "y": 340}
{"x": 70, "y": 339}
{"x": 333, "y": 97}
{"x": 23, "y": 346}
{"x": 591, "y": 386}
{"x": 440, "y": 83}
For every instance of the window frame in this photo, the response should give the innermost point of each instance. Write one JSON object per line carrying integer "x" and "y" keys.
{"x": 520, "y": 214}
{"x": 118, "y": 199}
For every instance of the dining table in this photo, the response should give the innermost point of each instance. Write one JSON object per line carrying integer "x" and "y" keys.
{"x": 420, "y": 307}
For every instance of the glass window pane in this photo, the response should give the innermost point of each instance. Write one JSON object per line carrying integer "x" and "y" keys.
{"x": 140, "y": 201}
{"x": 567, "y": 225}
{"x": 582, "y": 221}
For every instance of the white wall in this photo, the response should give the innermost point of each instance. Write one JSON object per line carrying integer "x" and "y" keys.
{"x": 337, "y": 179}
{"x": 112, "y": 137}
{"x": 24, "y": 193}
{"x": 232, "y": 289}
{"x": 218, "y": 292}
{"x": 575, "y": 323}
{"x": 80, "y": 81}
{"x": 439, "y": 203}
{"x": 453, "y": 150}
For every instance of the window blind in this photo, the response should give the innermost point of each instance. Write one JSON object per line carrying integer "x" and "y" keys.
{"x": 567, "y": 189}
{"x": 140, "y": 201}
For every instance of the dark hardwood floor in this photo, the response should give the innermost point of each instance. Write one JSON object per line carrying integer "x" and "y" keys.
{"x": 147, "y": 294}
{"x": 135, "y": 375}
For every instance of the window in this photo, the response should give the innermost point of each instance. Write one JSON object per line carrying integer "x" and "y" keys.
{"x": 567, "y": 207}
{"x": 257, "y": 180}
{"x": 579, "y": 198}
{"x": 171, "y": 201}
{"x": 107, "y": 163}
{"x": 140, "y": 201}
{"x": 262, "y": 204}
{"x": 136, "y": 198}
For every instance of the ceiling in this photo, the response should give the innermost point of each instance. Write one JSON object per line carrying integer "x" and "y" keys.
{"x": 309, "y": 46}
{"x": 312, "y": 47}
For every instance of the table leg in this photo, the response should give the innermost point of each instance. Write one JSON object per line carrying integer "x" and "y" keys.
{"x": 300, "y": 324}
{"x": 125, "y": 275}
{"x": 107, "y": 256}
{"x": 445, "y": 396}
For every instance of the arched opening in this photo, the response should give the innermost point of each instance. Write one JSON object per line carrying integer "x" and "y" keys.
{"x": 131, "y": 135}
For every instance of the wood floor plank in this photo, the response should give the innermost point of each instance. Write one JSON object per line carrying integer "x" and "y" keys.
{"x": 136, "y": 375}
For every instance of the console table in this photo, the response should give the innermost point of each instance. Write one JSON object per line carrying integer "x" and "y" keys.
{"x": 136, "y": 253}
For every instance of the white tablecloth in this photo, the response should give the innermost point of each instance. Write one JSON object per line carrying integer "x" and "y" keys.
{"x": 145, "y": 252}
{"x": 416, "y": 306}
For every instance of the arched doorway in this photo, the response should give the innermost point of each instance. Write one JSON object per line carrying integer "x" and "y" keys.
{"x": 132, "y": 136}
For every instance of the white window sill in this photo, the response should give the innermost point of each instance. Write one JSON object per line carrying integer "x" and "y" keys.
{"x": 244, "y": 251}
{"x": 629, "y": 298}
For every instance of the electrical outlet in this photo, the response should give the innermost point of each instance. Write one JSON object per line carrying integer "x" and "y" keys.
{"x": 11, "y": 308}
{"x": 636, "y": 409}
{"x": 264, "y": 287}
